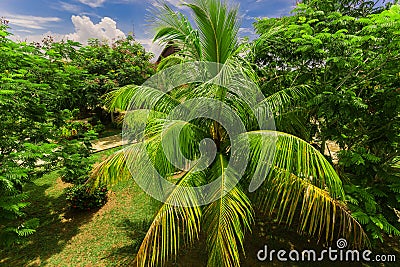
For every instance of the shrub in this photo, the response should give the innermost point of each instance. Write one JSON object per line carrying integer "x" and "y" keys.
{"x": 77, "y": 163}
{"x": 80, "y": 197}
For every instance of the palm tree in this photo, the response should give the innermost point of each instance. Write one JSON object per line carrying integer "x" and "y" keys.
{"x": 300, "y": 183}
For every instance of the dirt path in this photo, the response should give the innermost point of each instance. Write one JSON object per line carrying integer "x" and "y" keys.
{"x": 107, "y": 143}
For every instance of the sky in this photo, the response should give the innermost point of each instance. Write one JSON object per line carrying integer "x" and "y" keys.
{"x": 31, "y": 20}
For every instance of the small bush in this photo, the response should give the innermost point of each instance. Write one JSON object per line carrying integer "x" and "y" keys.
{"x": 79, "y": 197}
{"x": 75, "y": 168}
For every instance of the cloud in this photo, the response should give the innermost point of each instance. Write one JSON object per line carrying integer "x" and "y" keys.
{"x": 243, "y": 31}
{"x": 68, "y": 7}
{"x": 30, "y": 22}
{"x": 23, "y": 30}
{"x": 92, "y": 3}
{"x": 106, "y": 29}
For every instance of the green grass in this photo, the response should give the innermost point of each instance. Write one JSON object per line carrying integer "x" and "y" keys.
{"x": 111, "y": 235}
{"x": 107, "y": 237}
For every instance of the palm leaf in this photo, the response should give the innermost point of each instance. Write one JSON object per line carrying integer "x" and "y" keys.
{"x": 299, "y": 171}
{"x": 226, "y": 219}
{"x": 111, "y": 171}
{"x": 218, "y": 28}
{"x": 174, "y": 28}
{"x": 287, "y": 98}
{"x": 169, "y": 61}
{"x": 172, "y": 223}
{"x": 294, "y": 155}
{"x": 134, "y": 97}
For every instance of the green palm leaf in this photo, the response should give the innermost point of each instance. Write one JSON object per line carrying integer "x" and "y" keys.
{"x": 226, "y": 219}
{"x": 133, "y": 97}
{"x": 111, "y": 171}
{"x": 218, "y": 28}
{"x": 173, "y": 225}
{"x": 302, "y": 182}
{"x": 174, "y": 28}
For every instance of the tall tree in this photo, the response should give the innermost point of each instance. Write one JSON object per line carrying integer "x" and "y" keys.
{"x": 301, "y": 181}
{"x": 350, "y": 62}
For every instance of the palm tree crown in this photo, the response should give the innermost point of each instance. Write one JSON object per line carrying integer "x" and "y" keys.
{"x": 300, "y": 182}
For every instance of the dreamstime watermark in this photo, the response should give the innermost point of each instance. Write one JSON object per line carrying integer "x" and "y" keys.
{"x": 207, "y": 82}
{"x": 340, "y": 253}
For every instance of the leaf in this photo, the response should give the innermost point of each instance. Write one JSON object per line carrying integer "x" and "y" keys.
{"x": 226, "y": 219}
{"x": 172, "y": 223}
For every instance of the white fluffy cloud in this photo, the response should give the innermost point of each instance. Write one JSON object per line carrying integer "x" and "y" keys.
{"x": 106, "y": 29}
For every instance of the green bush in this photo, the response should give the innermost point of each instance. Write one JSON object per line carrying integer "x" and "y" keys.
{"x": 79, "y": 197}
{"x": 76, "y": 137}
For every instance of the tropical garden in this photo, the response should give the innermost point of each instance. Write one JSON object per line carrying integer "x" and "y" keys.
{"x": 328, "y": 74}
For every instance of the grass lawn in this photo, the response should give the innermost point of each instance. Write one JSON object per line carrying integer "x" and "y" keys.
{"x": 106, "y": 237}
{"x": 111, "y": 235}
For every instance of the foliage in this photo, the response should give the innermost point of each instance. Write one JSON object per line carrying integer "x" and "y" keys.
{"x": 76, "y": 163}
{"x": 346, "y": 53}
{"x": 301, "y": 176}
{"x": 39, "y": 84}
{"x": 27, "y": 125}
{"x": 80, "y": 197}
{"x": 108, "y": 66}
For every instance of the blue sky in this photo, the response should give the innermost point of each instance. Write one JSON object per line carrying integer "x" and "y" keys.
{"x": 81, "y": 19}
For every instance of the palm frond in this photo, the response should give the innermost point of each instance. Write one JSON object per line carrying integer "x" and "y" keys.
{"x": 173, "y": 225}
{"x": 226, "y": 219}
{"x": 173, "y": 144}
{"x": 144, "y": 97}
{"x": 285, "y": 99}
{"x": 300, "y": 172}
{"x": 169, "y": 61}
{"x": 319, "y": 213}
{"x": 218, "y": 28}
{"x": 294, "y": 155}
{"x": 174, "y": 28}
{"x": 111, "y": 171}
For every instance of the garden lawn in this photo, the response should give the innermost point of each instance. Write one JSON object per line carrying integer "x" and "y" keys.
{"x": 111, "y": 236}
{"x": 106, "y": 237}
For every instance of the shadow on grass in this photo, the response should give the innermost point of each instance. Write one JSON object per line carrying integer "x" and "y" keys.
{"x": 135, "y": 231}
{"x": 58, "y": 223}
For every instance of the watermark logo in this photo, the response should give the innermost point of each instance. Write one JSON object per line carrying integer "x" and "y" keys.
{"x": 340, "y": 253}
{"x": 213, "y": 89}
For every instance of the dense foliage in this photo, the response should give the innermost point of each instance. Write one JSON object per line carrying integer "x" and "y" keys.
{"x": 88, "y": 72}
{"x": 42, "y": 89}
{"x": 342, "y": 59}
{"x": 76, "y": 165}
{"x": 27, "y": 122}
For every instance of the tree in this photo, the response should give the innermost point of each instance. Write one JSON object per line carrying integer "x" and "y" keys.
{"x": 349, "y": 61}
{"x": 25, "y": 127}
{"x": 301, "y": 181}
{"x": 123, "y": 62}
